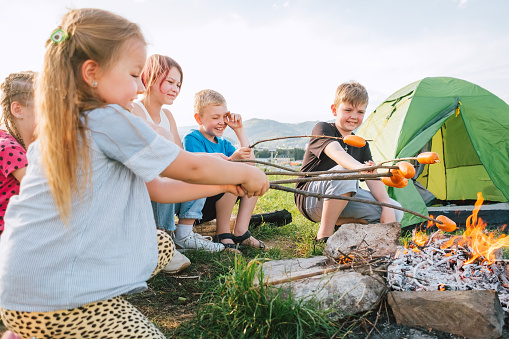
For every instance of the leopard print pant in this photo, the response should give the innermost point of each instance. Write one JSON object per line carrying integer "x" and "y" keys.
{"x": 112, "y": 318}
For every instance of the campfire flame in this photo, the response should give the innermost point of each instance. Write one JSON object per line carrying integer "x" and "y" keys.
{"x": 442, "y": 261}
{"x": 481, "y": 244}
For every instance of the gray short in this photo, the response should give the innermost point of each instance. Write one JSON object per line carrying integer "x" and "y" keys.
{"x": 353, "y": 209}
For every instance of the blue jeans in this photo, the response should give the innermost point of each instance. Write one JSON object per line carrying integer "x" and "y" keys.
{"x": 164, "y": 214}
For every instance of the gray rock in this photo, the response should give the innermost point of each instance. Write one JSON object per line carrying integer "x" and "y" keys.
{"x": 348, "y": 292}
{"x": 379, "y": 239}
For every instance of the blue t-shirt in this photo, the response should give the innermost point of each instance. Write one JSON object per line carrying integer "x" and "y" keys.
{"x": 194, "y": 141}
{"x": 110, "y": 245}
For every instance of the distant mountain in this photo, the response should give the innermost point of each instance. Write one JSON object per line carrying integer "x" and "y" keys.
{"x": 261, "y": 129}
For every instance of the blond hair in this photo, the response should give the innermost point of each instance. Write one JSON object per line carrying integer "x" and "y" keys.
{"x": 351, "y": 92}
{"x": 207, "y": 97}
{"x": 17, "y": 87}
{"x": 62, "y": 96}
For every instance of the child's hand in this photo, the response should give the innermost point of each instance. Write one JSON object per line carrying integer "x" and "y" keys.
{"x": 233, "y": 120}
{"x": 242, "y": 153}
{"x": 256, "y": 184}
{"x": 235, "y": 190}
{"x": 368, "y": 164}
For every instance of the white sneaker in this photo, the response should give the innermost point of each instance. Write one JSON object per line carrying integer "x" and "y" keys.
{"x": 195, "y": 241}
{"x": 178, "y": 263}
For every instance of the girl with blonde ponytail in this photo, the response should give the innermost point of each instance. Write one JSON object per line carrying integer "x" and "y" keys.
{"x": 81, "y": 231}
{"x": 18, "y": 119}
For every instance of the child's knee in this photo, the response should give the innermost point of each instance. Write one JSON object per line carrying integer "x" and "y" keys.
{"x": 398, "y": 213}
{"x": 341, "y": 187}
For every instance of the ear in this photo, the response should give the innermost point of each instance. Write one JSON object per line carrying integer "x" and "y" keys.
{"x": 90, "y": 71}
{"x": 197, "y": 118}
{"x": 17, "y": 110}
{"x": 333, "y": 109}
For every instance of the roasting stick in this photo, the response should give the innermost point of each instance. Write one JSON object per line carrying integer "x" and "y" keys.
{"x": 267, "y": 163}
{"x": 297, "y": 136}
{"x": 341, "y": 197}
{"x": 398, "y": 159}
{"x": 333, "y": 177}
{"x": 291, "y": 171}
{"x": 292, "y": 190}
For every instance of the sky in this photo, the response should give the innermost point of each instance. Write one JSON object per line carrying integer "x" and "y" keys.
{"x": 283, "y": 59}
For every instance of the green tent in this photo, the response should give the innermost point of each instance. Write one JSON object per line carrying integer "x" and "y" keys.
{"x": 465, "y": 124}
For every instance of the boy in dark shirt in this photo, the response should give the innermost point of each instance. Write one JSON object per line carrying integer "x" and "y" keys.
{"x": 324, "y": 154}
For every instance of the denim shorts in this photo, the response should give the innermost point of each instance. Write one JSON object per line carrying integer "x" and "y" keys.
{"x": 164, "y": 214}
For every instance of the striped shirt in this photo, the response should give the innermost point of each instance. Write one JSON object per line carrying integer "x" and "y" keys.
{"x": 110, "y": 246}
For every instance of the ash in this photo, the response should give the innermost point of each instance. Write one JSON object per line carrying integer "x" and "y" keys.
{"x": 435, "y": 269}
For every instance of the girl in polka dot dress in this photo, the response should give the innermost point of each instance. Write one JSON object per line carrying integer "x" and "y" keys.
{"x": 81, "y": 232}
{"x": 16, "y": 134}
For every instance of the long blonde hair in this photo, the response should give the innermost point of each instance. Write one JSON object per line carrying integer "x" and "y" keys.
{"x": 17, "y": 87}
{"x": 62, "y": 96}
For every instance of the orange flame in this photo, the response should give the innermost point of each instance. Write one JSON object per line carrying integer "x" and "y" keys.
{"x": 482, "y": 244}
{"x": 420, "y": 238}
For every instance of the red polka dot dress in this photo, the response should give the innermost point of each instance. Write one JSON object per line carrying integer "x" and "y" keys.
{"x": 12, "y": 157}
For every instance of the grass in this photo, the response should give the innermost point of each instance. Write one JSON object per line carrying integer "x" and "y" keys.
{"x": 219, "y": 284}
{"x": 236, "y": 308}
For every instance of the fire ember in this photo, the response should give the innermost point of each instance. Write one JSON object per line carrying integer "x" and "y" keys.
{"x": 460, "y": 262}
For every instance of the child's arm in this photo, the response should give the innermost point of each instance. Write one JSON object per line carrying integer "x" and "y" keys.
{"x": 19, "y": 173}
{"x": 174, "y": 129}
{"x": 210, "y": 170}
{"x": 169, "y": 191}
{"x": 334, "y": 151}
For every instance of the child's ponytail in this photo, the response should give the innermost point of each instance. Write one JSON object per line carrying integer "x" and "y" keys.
{"x": 63, "y": 96}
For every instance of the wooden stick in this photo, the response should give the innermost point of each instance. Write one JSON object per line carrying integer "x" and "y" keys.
{"x": 399, "y": 159}
{"x": 333, "y": 177}
{"x": 312, "y": 174}
{"x": 376, "y": 321}
{"x": 295, "y": 136}
{"x": 292, "y": 171}
{"x": 266, "y": 163}
{"x": 312, "y": 274}
{"x": 342, "y": 197}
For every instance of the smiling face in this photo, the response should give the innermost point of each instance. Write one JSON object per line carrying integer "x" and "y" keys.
{"x": 212, "y": 121}
{"x": 348, "y": 117}
{"x": 121, "y": 83}
{"x": 166, "y": 89}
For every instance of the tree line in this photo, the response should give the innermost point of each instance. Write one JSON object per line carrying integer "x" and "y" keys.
{"x": 293, "y": 153}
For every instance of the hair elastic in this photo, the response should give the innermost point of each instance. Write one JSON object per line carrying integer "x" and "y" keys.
{"x": 58, "y": 36}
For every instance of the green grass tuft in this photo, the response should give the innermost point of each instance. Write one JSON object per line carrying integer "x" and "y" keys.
{"x": 238, "y": 308}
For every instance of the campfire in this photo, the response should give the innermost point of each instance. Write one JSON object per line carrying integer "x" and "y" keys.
{"x": 440, "y": 262}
